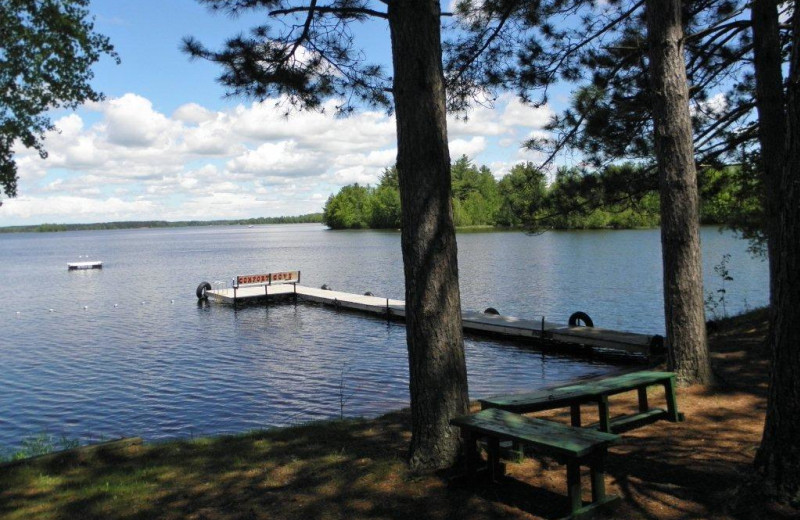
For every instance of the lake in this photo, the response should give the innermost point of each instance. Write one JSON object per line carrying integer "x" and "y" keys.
{"x": 127, "y": 350}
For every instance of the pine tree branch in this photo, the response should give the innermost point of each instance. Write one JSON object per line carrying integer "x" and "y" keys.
{"x": 498, "y": 29}
{"x": 344, "y": 12}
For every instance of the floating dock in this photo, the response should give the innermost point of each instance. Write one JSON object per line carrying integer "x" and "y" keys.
{"x": 94, "y": 264}
{"x": 596, "y": 340}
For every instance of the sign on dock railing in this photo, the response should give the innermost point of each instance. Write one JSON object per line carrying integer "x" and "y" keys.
{"x": 267, "y": 279}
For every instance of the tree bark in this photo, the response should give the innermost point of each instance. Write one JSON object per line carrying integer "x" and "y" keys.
{"x": 680, "y": 237}
{"x": 770, "y": 104}
{"x": 437, "y": 368}
{"x": 778, "y": 458}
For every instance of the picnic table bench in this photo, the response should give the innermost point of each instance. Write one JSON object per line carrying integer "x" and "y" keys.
{"x": 571, "y": 446}
{"x": 597, "y": 392}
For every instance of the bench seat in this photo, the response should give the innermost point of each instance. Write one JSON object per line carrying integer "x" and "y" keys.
{"x": 571, "y": 446}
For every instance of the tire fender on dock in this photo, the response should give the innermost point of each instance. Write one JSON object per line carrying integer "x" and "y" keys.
{"x": 201, "y": 290}
{"x": 582, "y": 317}
{"x": 656, "y": 345}
{"x": 490, "y": 310}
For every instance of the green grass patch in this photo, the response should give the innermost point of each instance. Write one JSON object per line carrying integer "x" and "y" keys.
{"x": 338, "y": 469}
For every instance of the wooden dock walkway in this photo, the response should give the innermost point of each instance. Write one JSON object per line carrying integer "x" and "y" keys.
{"x": 598, "y": 340}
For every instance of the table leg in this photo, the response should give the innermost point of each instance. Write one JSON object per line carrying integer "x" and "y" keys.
{"x": 643, "y": 405}
{"x": 598, "y": 477}
{"x": 672, "y": 402}
{"x": 605, "y": 419}
{"x": 575, "y": 415}
{"x": 574, "y": 486}
{"x": 496, "y": 470}
{"x": 471, "y": 454}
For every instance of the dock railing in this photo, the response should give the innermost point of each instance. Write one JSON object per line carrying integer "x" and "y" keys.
{"x": 265, "y": 280}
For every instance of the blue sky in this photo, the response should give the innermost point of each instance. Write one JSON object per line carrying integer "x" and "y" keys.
{"x": 166, "y": 144}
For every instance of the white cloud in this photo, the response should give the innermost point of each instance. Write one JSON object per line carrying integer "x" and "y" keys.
{"x": 282, "y": 158}
{"x": 517, "y": 113}
{"x": 84, "y": 209}
{"x": 193, "y": 113}
{"x": 715, "y": 105}
{"x": 131, "y": 121}
{"x": 127, "y": 160}
{"x": 470, "y": 148}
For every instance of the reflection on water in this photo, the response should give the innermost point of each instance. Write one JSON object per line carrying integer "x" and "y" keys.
{"x": 127, "y": 350}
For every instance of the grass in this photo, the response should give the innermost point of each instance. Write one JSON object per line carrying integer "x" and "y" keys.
{"x": 338, "y": 469}
{"x": 355, "y": 469}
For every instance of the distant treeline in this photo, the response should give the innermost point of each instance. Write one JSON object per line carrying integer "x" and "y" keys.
{"x": 617, "y": 197}
{"x": 47, "y": 228}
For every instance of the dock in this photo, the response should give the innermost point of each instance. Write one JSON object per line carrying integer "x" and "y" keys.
{"x": 539, "y": 331}
{"x": 93, "y": 264}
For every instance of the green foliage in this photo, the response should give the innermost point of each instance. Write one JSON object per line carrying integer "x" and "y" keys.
{"x": 715, "y": 303}
{"x": 522, "y": 193}
{"x": 358, "y": 207}
{"x": 622, "y": 196}
{"x": 47, "y": 50}
{"x": 476, "y": 198}
{"x": 734, "y": 197}
{"x": 385, "y": 208}
{"x": 351, "y": 208}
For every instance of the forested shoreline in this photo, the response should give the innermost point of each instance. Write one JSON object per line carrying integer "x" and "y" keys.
{"x": 48, "y": 228}
{"x": 617, "y": 197}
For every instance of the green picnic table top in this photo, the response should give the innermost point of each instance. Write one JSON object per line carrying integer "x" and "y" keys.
{"x": 552, "y": 438}
{"x": 577, "y": 393}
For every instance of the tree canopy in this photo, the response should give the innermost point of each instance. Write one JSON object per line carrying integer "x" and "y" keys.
{"x": 47, "y": 48}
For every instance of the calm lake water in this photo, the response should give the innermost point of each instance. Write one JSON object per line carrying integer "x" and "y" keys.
{"x": 127, "y": 350}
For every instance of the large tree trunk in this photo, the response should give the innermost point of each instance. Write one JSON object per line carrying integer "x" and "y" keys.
{"x": 771, "y": 107}
{"x": 680, "y": 238}
{"x": 778, "y": 457}
{"x": 437, "y": 368}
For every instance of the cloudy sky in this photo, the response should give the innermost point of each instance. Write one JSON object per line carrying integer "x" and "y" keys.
{"x": 166, "y": 144}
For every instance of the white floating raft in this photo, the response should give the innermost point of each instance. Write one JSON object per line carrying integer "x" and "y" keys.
{"x": 95, "y": 264}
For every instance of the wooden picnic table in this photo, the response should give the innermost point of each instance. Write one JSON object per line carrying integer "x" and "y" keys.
{"x": 597, "y": 392}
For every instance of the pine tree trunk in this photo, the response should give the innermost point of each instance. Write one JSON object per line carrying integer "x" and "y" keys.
{"x": 437, "y": 368}
{"x": 771, "y": 107}
{"x": 680, "y": 221}
{"x": 778, "y": 458}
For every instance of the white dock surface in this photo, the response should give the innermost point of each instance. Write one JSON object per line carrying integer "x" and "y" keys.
{"x": 475, "y": 321}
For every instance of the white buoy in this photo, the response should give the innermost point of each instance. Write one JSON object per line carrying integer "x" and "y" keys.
{"x": 51, "y": 310}
{"x": 85, "y": 307}
{"x": 116, "y": 305}
{"x": 172, "y": 301}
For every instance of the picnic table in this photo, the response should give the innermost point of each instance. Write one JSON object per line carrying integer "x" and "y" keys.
{"x": 597, "y": 392}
